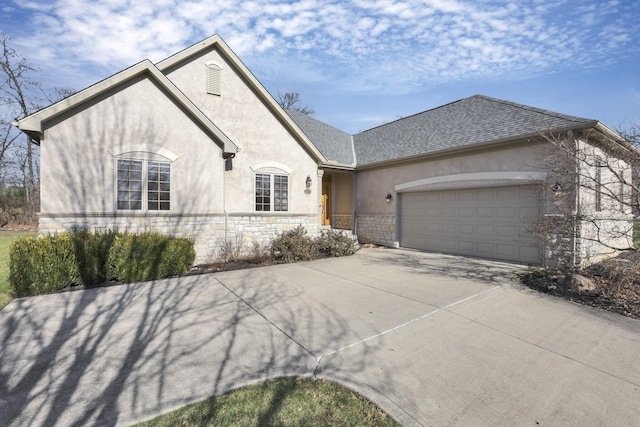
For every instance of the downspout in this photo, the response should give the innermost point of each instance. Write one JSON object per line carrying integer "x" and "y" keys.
{"x": 228, "y": 166}
{"x": 576, "y": 195}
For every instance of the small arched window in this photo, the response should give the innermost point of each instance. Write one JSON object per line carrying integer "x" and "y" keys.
{"x": 213, "y": 78}
{"x": 271, "y": 187}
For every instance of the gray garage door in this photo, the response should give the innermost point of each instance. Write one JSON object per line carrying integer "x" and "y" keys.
{"x": 484, "y": 222}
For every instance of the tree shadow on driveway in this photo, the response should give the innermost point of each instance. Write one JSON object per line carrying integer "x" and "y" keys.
{"x": 118, "y": 355}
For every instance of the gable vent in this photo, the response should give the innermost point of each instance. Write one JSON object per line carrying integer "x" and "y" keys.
{"x": 213, "y": 79}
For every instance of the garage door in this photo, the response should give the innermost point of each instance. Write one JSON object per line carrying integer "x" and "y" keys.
{"x": 484, "y": 222}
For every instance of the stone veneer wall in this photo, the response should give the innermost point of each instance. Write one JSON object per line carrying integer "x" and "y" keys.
{"x": 343, "y": 221}
{"x": 207, "y": 231}
{"x": 379, "y": 229}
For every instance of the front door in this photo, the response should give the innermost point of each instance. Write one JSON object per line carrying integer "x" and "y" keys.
{"x": 326, "y": 202}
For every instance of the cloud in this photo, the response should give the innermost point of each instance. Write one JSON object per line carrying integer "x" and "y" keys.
{"x": 386, "y": 45}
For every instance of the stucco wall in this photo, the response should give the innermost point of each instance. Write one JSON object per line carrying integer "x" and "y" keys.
{"x": 251, "y": 125}
{"x": 79, "y": 153}
{"x": 377, "y": 218}
{"x": 603, "y": 231}
{"x": 137, "y": 120}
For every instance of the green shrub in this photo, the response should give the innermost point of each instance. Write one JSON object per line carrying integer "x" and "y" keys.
{"x": 43, "y": 265}
{"x": 334, "y": 243}
{"x": 149, "y": 256}
{"x": 50, "y": 263}
{"x": 92, "y": 253}
{"x": 293, "y": 245}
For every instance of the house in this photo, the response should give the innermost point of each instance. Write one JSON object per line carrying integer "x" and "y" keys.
{"x": 195, "y": 146}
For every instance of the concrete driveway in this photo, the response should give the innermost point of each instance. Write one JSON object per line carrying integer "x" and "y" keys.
{"x": 434, "y": 340}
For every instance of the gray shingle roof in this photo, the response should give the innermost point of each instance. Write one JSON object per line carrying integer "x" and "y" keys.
{"x": 333, "y": 143}
{"x": 474, "y": 120}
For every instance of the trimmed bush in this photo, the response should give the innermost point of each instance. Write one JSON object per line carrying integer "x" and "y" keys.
{"x": 334, "y": 243}
{"x": 92, "y": 253}
{"x": 50, "y": 263}
{"x": 43, "y": 265}
{"x": 293, "y": 245}
{"x": 149, "y": 256}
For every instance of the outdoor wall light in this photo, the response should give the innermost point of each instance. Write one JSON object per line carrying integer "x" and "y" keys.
{"x": 308, "y": 181}
{"x": 388, "y": 198}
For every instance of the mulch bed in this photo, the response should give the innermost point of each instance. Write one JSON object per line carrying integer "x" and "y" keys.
{"x": 617, "y": 285}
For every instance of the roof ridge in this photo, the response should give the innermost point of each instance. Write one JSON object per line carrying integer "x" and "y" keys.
{"x": 412, "y": 115}
{"x": 534, "y": 109}
{"x": 309, "y": 117}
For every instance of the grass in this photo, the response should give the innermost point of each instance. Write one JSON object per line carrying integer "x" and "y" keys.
{"x": 6, "y": 238}
{"x": 280, "y": 402}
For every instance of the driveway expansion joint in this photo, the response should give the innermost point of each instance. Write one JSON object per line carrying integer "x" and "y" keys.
{"x": 395, "y": 328}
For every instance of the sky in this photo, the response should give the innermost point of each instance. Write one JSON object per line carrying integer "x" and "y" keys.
{"x": 361, "y": 63}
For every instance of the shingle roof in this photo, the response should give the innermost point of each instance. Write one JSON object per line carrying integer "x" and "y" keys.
{"x": 474, "y": 120}
{"x": 333, "y": 143}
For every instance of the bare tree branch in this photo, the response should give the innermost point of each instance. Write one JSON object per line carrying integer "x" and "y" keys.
{"x": 291, "y": 101}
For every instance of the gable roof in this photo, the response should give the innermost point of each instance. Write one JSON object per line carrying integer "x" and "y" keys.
{"x": 216, "y": 42}
{"x": 334, "y": 144}
{"x": 473, "y": 121}
{"x": 32, "y": 124}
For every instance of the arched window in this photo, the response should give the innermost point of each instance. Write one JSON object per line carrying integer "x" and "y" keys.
{"x": 143, "y": 182}
{"x": 271, "y": 187}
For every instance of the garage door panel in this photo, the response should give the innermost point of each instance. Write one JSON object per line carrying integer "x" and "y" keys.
{"x": 485, "y": 248}
{"x": 466, "y": 246}
{"x": 509, "y": 212}
{"x": 486, "y": 230}
{"x": 507, "y": 232}
{"x": 466, "y": 212}
{"x": 485, "y": 212}
{"x": 484, "y": 196}
{"x": 466, "y": 229}
{"x": 486, "y": 222}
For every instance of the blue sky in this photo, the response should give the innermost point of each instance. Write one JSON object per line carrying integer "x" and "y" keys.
{"x": 361, "y": 63}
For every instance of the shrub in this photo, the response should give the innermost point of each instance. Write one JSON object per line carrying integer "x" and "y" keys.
{"x": 50, "y": 263}
{"x": 334, "y": 243}
{"x": 149, "y": 256}
{"x": 43, "y": 265}
{"x": 230, "y": 248}
{"x": 293, "y": 245}
{"x": 92, "y": 253}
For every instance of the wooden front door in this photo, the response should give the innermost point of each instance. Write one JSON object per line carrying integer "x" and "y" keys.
{"x": 326, "y": 202}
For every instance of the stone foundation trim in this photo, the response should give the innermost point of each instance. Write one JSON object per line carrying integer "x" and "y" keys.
{"x": 379, "y": 229}
{"x": 208, "y": 231}
{"x": 342, "y": 221}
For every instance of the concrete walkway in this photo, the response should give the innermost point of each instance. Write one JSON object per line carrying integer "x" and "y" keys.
{"x": 434, "y": 340}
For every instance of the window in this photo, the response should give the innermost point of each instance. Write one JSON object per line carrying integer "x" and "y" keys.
{"x": 129, "y": 184}
{"x": 272, "y": 192}
{"x": 144, "y": 183}
{"x": 213, "y": 79}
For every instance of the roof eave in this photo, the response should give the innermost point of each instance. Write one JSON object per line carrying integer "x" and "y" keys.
{"x": 337, "y": 166}
{"x": 32, "y": 124}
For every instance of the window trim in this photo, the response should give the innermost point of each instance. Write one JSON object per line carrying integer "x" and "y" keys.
{"x": 271, "y": 174}
{"x": 145, "y": 160}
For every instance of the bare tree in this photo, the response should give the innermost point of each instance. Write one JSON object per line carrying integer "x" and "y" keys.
{"x": 291, "y": 101}
{"x": 21, "y": 94}
{"x": 593, "y": 195}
